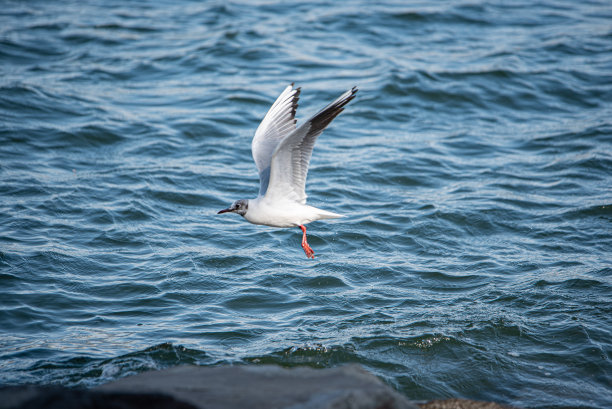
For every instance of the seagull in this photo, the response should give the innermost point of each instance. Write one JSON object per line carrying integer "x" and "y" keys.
{"x": 282, "y": 152}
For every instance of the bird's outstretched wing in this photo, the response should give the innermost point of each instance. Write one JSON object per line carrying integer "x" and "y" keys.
{"x": 290, "y": 159}
{"x": 276, "y": 125}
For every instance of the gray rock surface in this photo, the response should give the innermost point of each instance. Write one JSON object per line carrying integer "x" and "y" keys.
{"x": 462, "y": 404}
{"x": 266, "y": 387}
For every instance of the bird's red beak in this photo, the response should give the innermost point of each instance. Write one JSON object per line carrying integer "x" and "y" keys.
{"x": 224, "y": 211}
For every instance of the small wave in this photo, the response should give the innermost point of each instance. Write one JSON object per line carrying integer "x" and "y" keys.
{"x": 85, "y": 371}
{"x": 316, "y": 356}
{"x": 471, "y": 14}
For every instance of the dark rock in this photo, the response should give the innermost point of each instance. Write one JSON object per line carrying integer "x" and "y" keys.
{"x": 228, "y": 387}
{"x": 56, "y": 397}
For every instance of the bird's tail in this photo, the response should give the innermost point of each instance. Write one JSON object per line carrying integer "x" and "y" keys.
{"x": 324, "y": 214}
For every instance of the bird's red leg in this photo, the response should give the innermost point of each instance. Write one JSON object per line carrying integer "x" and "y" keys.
{"x": 305, "y": 246}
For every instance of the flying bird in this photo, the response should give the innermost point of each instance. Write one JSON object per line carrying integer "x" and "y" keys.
{"x": 282, "y": 152}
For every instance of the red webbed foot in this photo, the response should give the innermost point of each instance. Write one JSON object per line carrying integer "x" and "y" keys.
{"x": 305, "y": 246}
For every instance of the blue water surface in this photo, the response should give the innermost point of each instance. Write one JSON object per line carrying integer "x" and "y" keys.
{"x": 474, "y": 169}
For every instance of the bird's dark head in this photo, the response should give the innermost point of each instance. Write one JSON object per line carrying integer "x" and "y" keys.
{"x": 239, "y": 206}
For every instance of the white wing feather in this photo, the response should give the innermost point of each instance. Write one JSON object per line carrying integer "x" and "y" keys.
{"x": 276, "y": 125}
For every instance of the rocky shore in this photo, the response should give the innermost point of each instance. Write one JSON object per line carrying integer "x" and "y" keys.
{"x": 232, "y": 387}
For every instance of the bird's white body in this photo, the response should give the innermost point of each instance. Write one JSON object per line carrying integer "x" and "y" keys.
{"x": 284, "y": 214}
{"x": 282, "y": 153}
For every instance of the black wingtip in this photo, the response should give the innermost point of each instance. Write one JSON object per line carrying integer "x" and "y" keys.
{"x": 296, "y": 98}
{"x": 327, "y": 114}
